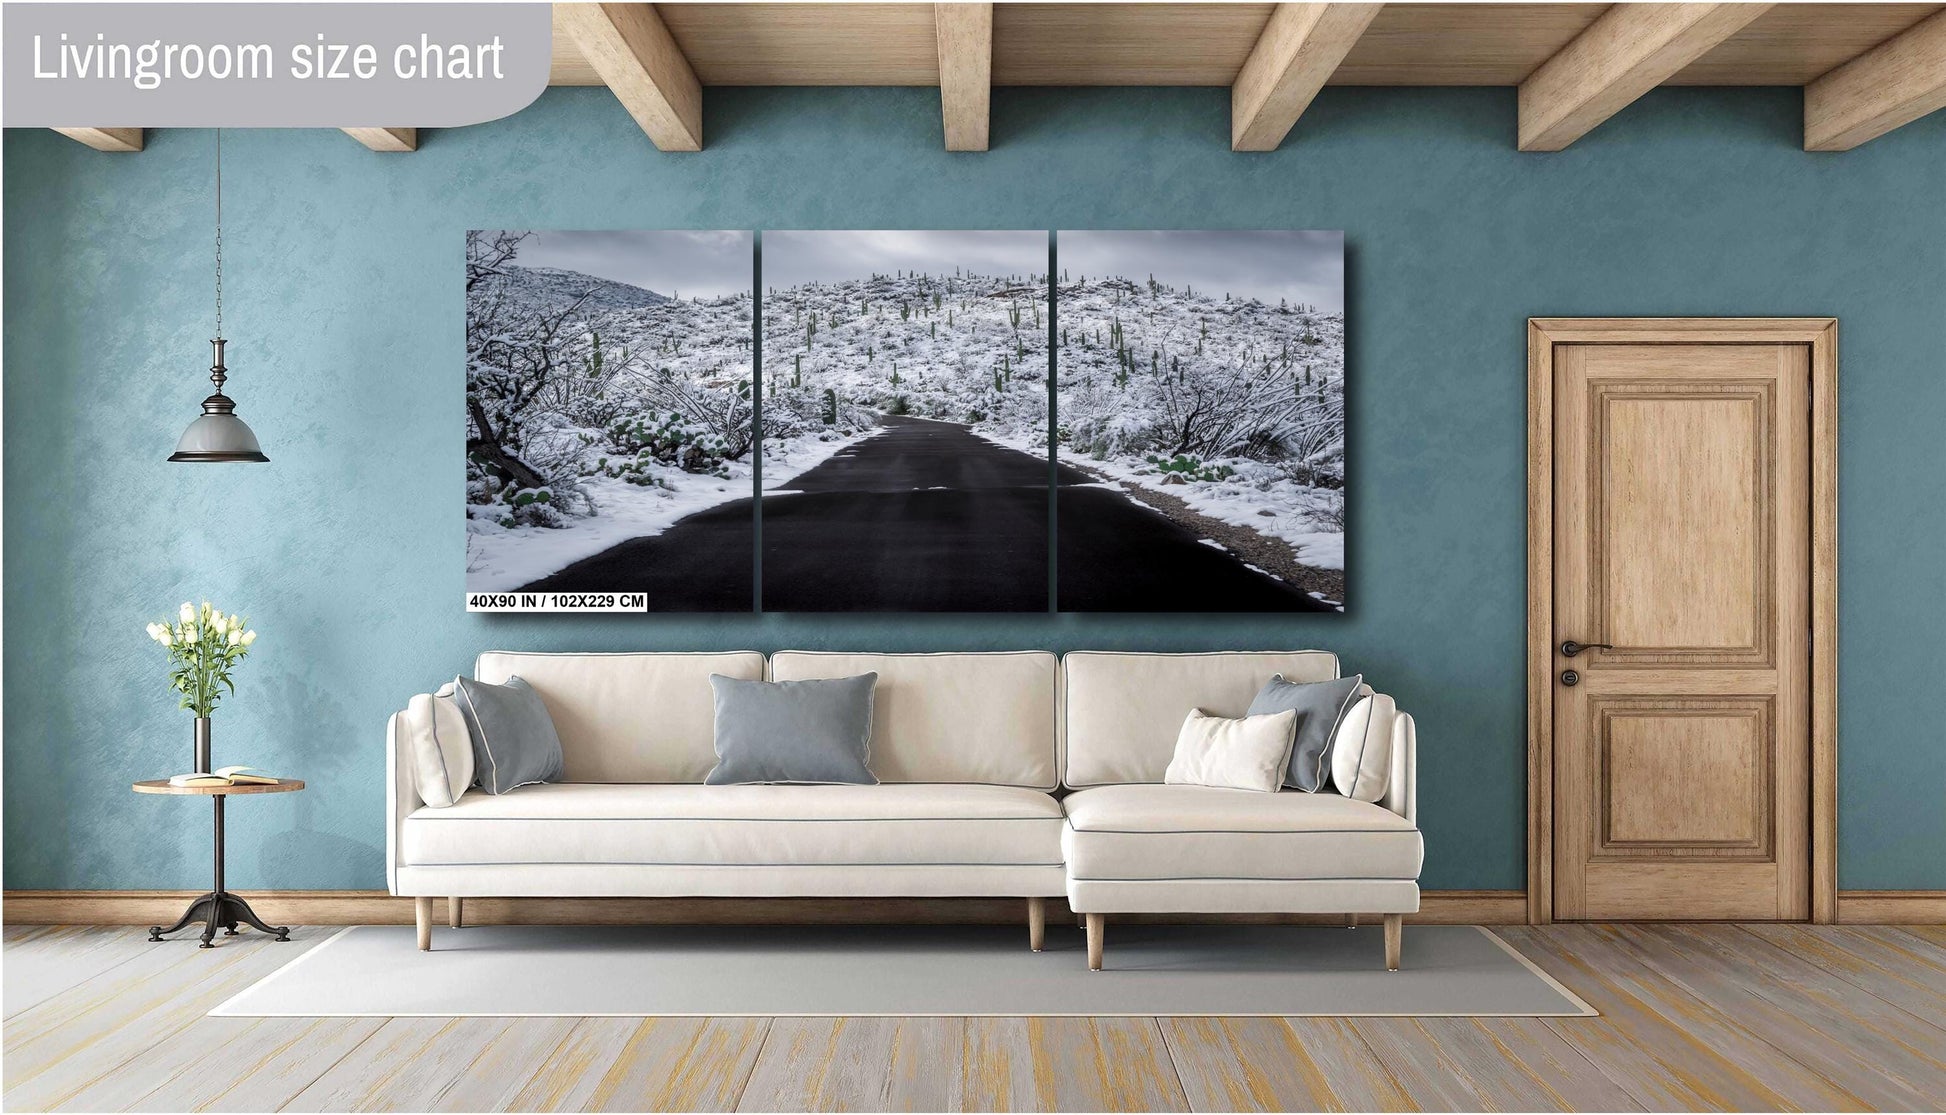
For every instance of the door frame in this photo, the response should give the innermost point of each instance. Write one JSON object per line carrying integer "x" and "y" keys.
{"x": 1821, "y": 334}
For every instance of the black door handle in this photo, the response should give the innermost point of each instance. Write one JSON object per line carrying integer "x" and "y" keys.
{"x": 1571, "y": 648}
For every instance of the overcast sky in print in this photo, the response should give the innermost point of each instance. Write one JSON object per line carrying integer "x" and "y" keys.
{"x": 791, "y": 258}
{"x": 1302, "y": 266}
{"x": 681, "y": 262}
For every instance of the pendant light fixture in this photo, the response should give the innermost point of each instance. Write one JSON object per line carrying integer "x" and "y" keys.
{"x": 219, "y": 435}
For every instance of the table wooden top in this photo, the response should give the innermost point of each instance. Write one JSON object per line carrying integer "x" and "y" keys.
{"x": 161, "y": 786}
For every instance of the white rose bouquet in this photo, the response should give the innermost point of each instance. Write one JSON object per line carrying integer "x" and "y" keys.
{"x": 204, "y": 646}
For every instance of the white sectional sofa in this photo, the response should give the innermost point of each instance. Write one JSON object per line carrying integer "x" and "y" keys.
{"x": 1012, "y": 774}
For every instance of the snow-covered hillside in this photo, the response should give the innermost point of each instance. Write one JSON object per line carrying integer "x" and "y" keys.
{"x": 1233, "y": 405}
{"x": 960, "y": 347}
{"x": 555, "y": 286}
{"x": 596, "y": 411}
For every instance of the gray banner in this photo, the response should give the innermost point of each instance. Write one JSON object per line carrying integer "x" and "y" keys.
{"x": 271, "y": 65}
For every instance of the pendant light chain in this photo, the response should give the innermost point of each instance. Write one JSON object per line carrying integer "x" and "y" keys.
{"x": 219, "y": 232}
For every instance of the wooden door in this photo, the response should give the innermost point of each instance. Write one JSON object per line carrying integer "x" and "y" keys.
{"x": 1682, "y": 538}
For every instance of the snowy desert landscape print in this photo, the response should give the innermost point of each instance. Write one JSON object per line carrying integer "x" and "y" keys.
{"x": 609, "y": 438}
{"x": 905, "y": 407}
{"x": 1201, "y": 421}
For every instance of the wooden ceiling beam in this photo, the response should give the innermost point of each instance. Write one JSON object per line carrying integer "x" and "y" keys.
{"x": 385, "y": 139}
{"x": 965, "y": 34}
{"x": 106, "y": 139}
{"x": 1297, "y": 53}
{"x": 641, "y": 64}
{"x": 1884, "y": 88}
{"x": 1630, "y": 50}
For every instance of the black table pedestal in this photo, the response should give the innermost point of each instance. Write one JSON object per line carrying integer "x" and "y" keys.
{"x": 220, "y": 907}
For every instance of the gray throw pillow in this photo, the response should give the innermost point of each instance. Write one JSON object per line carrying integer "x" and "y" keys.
{"x": 793, "y": 731}
{"x": 1319, "y": 706}
{"x": 514, "y": 742}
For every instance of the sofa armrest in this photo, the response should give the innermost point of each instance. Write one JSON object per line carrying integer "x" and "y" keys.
{"x": 401, "y": 798}
{"x": 1402, "y": 792}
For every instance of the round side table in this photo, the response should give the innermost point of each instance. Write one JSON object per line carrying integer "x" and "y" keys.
{"x": 219, "y": 906}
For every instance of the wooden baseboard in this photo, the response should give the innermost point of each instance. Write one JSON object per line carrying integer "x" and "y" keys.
{"x": 374, "y": 907}
{"x": 1892, "y": 907}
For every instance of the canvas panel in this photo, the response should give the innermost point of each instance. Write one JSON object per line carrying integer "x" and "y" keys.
{"x": 1200, "y": 387}
{"x": 609, "y": 420}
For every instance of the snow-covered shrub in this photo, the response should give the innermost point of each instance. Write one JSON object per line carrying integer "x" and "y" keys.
{"x": 1185, "y": 467}
{"x": 668, "y": 438}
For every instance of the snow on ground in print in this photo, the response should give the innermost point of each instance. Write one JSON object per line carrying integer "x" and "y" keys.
{"x": 1285, "y": 511}
{"x": 500, "y": 559}
{"x": 786, "y": 459}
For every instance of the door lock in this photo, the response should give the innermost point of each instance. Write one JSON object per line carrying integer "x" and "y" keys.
{"x": 1570, "y": 677}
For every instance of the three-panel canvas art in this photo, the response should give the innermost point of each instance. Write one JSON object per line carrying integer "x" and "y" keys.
{"x": 857, "y": 421}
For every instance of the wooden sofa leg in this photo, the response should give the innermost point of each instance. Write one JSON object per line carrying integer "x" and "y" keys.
{"x": 422, "y": 909}
{"x": 455, "y": 908}
{"x": 1394, "y": 935}
{"x": 1036, "y": 923}
{"x": 1351, "y": 921}
{"x": 1095, "y": 925}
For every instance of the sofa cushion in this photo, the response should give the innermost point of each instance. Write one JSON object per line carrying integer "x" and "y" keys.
{"x": 1195, "y": 832}
{"x": 1122, "y": 710}
{"x": 1361, "y": 756}
{"x": 1240, "y": 753}
{"x": 803, "y": 732}
{"x": 514, "y": 741}
{"x": 433, "y": 733}
{"x": 740, "y": 825}
{"x": 1320, "y": 707}
{"x": 627, "y": 717}
{"x": 985, "y": 718}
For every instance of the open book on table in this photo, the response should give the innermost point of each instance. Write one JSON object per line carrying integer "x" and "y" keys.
{"x": 227, "y": 776}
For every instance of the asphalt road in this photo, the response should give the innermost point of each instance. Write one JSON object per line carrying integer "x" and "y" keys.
{"x": 924, "y": 517}
{"x": 928, "y": 517}
{"x": 704, "y": 563}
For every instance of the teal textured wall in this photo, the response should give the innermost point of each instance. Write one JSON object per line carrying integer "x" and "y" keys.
{"x": 344, "y": 315}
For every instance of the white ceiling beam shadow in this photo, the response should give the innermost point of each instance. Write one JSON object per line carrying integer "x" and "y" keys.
{"x": 1629, "y": 50}
{"x": 640, "y": 62}
{"x": 965, "y": 34}
{"x": 106, "y": 139}
{"x": 1884, "y": 88}
{"x": 1299, "y": 50}
{"x": 385, "y": 139}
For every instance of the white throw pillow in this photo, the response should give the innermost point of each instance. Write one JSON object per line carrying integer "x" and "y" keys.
{"x": 1246, "y": 753}
{"x": 1361, "y": 754}
{"x": 439, "y": 746}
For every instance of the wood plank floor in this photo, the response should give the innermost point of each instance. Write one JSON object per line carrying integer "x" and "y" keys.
{"x": 1719, "y": 1017}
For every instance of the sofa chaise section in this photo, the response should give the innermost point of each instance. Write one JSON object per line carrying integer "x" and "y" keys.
{"x": 1134, "y": 845}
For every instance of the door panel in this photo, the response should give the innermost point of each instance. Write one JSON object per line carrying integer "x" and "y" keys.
{"x": 1681, "y": 756}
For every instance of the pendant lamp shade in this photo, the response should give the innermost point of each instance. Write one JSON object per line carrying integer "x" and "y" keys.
{"x": 218, "y": 436}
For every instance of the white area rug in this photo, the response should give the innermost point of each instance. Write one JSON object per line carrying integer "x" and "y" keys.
{"x": 1180, "y": 970}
